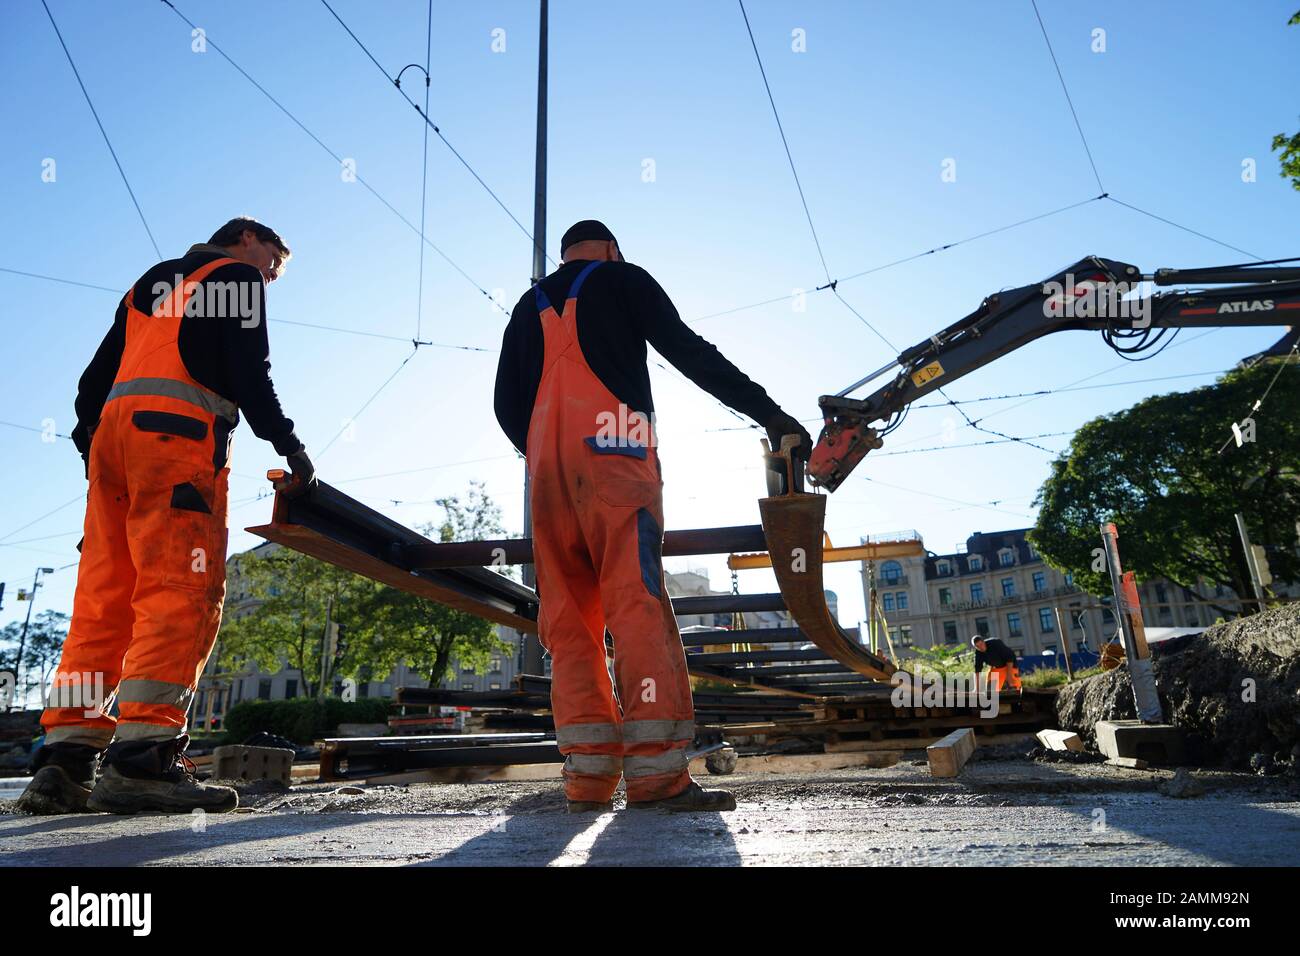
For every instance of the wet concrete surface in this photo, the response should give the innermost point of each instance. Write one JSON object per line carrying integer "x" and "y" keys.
{"x": 1012, "y": 812}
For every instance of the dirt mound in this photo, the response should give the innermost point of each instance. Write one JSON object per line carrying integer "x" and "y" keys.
{"x": 1235, "y": 689}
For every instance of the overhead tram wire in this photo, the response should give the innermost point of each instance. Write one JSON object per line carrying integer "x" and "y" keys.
{"x": 784, "y": 142}
{"x": 1295, "y": 351}
{"x": 424, "y": 172}
{"x": 832, "y": 284}
{"x": 351, "y": 421}
{"x": 306, "y": 325}
{"x": 429, "y": 124}
{"x": 339, "y": 159}
{"x": 898, "y": 262}
{"x": 1069, "y": 101}
{"x": 103, "y": 132}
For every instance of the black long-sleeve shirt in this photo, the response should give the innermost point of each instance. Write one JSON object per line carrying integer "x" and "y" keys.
{"x": 995, "y": 654}
{"x": 227, "y": 355}
{"x": 621, "y": 309}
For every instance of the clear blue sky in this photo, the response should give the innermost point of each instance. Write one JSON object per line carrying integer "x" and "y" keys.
{"x": 882, "y": 96}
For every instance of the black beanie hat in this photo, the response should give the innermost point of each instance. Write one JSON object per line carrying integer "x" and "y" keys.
{"x": 584, "y": 230}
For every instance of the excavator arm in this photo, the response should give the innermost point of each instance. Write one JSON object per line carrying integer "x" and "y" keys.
{"x": 1095, "y": 293}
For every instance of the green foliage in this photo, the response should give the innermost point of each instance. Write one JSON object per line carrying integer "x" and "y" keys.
{"x": 941, "y": 659}
{"x": 302, "y": 720}
{"x": 1156, "y": 471}
{"x": 287, "y": 627}
{"x": 41, "y": 649}
{"x": 1289, "y": 145}
{"x": 380, "y": 626}
{"x": 1042, "y": 677}
{"x": 427, "y": 636}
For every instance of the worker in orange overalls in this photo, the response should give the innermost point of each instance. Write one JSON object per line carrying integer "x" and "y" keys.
{"x": 155, "y": 409}
{"x": 573, "y": 393}
{"x": 1003, "y": 670}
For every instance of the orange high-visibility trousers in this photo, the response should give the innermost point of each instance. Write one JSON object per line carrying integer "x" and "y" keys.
{"x": 152, "y": 575}
{"x": 597, "y": 509}
{"x": 1000, "y": 677}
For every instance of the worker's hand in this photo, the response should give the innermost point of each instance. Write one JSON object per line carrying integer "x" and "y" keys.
{"x": 302, "y": 467}
{"x": 782, "y": 424}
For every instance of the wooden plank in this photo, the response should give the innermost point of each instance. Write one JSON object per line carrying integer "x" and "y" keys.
{"x": 1059, "y": 740}
{"x": 807, "y": 763}
{"x": 950, "y": 754}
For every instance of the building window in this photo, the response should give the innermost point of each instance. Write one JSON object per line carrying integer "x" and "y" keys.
{"x": 1107, "y": 616}
{"x": 291, "y": 687}
{"x": 901, "y": 599}
{"x": 264, "y": 689}
{"x": 888, "y": 600}
{"x": 1006, "y": 557}
{"x": 1040, "y": 581}
{"x": 495, "y": 667}
{"x": 1069, "y": 579}
{"x": 942, "y": 568}
{"x": 467, "y": 685}
{"x": 977, "y": 592}
{"x": 975, "y": 562}
{"x": 950, "y": 632}
{"x": 891, "y": 572}
{"x": 982, "y": 626}
{"x": 1008, "y": 587}
{"x": 1013, "y": 626}
{"x": 1162, "y": 594}
{"x": 905, "y": 635}
{"x": 1045, "y": 622}
{"x": 945, "y": 596}
{"x": 1076, "y": 617}
{"x": 495, "y": 685}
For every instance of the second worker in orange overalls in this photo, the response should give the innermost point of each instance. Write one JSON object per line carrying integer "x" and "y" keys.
{"x": 573, "y": 393}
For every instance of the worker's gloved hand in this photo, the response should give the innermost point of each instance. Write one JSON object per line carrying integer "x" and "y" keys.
{"x": 302, "y": 467}
{"x": 782, "y": 424}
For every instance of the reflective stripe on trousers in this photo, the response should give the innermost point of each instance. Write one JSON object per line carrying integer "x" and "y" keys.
{"x": 594, "y": 733}
{"x": 670, "y": 761}
{"x": 596, "y": 765}
{"x": 640, "y": 731}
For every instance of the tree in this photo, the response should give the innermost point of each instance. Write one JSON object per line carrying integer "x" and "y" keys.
{"x": 298, "y": 595}
{"x": 1156, "y": 470}
{"x": 425, "y": 635}
{"x": 1289, "y": 145}
{"x": 382, "y": 626}
{"x": 44, "y": 645}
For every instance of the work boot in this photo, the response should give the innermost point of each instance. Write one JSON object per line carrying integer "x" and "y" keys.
{"x": 65, "y": 775}
{"x": 155, "y": 776}
{"x": 591, "y": 806}
{"x": 694, "y": 799}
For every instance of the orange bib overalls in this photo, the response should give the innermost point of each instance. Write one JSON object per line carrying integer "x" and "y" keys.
{"x": 597, "y": 507}
{"x": 153, "y": 564}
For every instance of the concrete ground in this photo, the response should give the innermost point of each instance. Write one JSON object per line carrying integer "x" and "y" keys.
{"x": 1006, "y": 812}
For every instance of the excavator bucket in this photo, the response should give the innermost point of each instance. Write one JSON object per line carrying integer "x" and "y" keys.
{"x": 794, "y": 523}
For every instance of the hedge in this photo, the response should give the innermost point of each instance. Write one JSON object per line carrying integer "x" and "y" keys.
{"x": 301, "y": 719}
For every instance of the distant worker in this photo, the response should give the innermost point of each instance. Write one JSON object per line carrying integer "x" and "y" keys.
{"x": 1001, "y": 659}
{"x": 187, "y": 352}
{"x": 573, "y": 393}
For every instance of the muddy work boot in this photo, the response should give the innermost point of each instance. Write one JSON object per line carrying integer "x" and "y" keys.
{"x": 591, "y": 806}
{"x": 694, "y": 799}
{"x": 65, "y": 775}
{"x": 155, "y": 776}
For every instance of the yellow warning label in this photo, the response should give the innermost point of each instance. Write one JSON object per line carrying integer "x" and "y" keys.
{"x": 925, "y": 374}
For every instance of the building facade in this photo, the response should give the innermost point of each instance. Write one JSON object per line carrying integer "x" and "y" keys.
{"x": 997, "y": 585}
